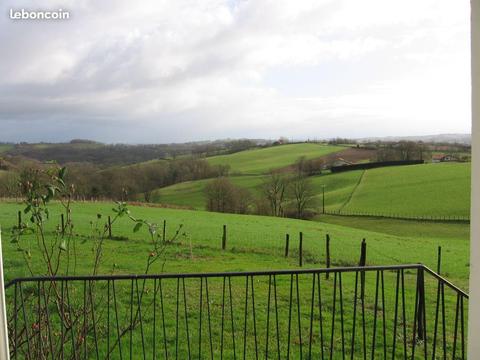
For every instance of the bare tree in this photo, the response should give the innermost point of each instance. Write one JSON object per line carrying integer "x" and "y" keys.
{"x": 302, "y": 194}
{"x": 274, "y": 189}
{"x": 223, "y": 196}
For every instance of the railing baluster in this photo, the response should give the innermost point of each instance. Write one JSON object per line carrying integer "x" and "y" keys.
{"x": 254, "y": 318}
{"x": 154, "y": 327}
{"x": 383, "y": 318}
{"x": 140, "y": 318}
{"x": 208, "y": 318}
{"x": 352, "y": 350}
{"x": 395, "y": 319}
{"x": 268, "y": 315}
{"x": 49, "y": 329}
{"x": 276, "y": 315}
{"x": 342, "y": 321}
{"x": 333, "y": 315}
{"x": 462, "y": 324}
{"x": 404, "y": 317}
{"x": 119, "y": 338}
{"x": 375, "y": 311}
{"x": 312, "y": 307}
{"x": 186, "y": 318}
{"x": 435, "y": 331}
{"x": 176, "y": 317}
{"x": 444, "y": 327}
{"x": 223, "y": 319}
{"x": 299, "y": 318}
{"x": 455, "y": 331}
{"x": 163, "y": 318}
{"x": 231, "y": 318}
{"x": 108, "y": 319}
{"x": 320, "y": 316}
{"x": 131, "y": 320}
{"x": 200, "y": 321}
{"x": 289, "y": 316}
{"x": 245, "y": 320}
{"x": 93, "y": 318}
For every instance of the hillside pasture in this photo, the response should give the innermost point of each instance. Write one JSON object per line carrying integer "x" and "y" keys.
{"x": 438, "y": 190}
{"x": 260, "y": 161}
{"x": 192, "y": 193}
{"x": 253, "y": 242}
{"x": 419, "y": 190}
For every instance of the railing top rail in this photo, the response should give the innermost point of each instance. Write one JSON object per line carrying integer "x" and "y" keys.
{"x": 212, "y": 274}
{"x": 236, "y": 274}
{"x": 445, "y": 281}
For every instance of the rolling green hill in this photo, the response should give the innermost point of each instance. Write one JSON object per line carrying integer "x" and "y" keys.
{"x": 260, "y": 161}
{"x": 5, "y": 147}
{"x": 418, "y": 190}
{"x": 191, "y": 193}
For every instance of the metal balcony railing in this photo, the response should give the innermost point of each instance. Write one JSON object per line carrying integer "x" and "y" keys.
{"x": 378, "y": 312}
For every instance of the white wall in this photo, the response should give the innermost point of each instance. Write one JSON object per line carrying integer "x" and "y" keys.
{"x": 474, "y": 288}
{"x": 4, "y": 351}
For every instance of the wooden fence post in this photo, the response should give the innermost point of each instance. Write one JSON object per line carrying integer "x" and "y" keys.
{"x": 363, "y": 254}
{"x": 439, "y": 259}
{"x": 300, "y": 250}
{"x": 164, "y": 229}
{"x": 224, "y": 237}
{"x": 363, "y": 262}
{"x": 287, "y": 244}
{"x": 109, "y": 227}
{"x": 327, "y": 254}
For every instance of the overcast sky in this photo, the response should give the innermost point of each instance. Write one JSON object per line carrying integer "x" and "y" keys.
{"x": 179, "y": 70}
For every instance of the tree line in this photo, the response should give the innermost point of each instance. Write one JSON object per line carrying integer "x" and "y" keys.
{"x": 133, "y": 182}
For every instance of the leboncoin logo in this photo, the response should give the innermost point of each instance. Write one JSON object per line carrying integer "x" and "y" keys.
{"x": 23, "y": 14}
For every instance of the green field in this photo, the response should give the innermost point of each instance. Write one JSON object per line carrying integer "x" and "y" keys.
{"x": 260, "y": 161}
{"x": 255, "y": 242}
{"x": 418, "y": 190}
{"x": 192, "y": 193}
{"x": 5, "y": 147}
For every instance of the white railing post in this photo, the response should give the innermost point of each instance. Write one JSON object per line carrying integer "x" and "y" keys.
{"x": 474, "y": 288}
{"x": 4, "y": 350}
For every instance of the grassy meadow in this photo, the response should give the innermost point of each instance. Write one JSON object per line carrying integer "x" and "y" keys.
{"x": 254, "y": 242}
{"x": 260, "y": 161}
{"x": 418, "y": 190}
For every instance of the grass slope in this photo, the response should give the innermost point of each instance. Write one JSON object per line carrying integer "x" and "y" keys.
{"x": 260, "y": 161}
{"x": 5, "y": 147}
{"x": 192, "y": 193}
{"x": 418, "y": 190}
{"x": 254, "y": 242}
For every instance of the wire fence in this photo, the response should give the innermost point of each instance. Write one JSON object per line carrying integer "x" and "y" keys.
{"x": 452, "y": 218}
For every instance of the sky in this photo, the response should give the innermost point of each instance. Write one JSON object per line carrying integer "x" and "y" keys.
{"x": 161, "y": 71}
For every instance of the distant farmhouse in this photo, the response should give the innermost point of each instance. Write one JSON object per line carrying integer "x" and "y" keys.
{"x": 436, "y": 158}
